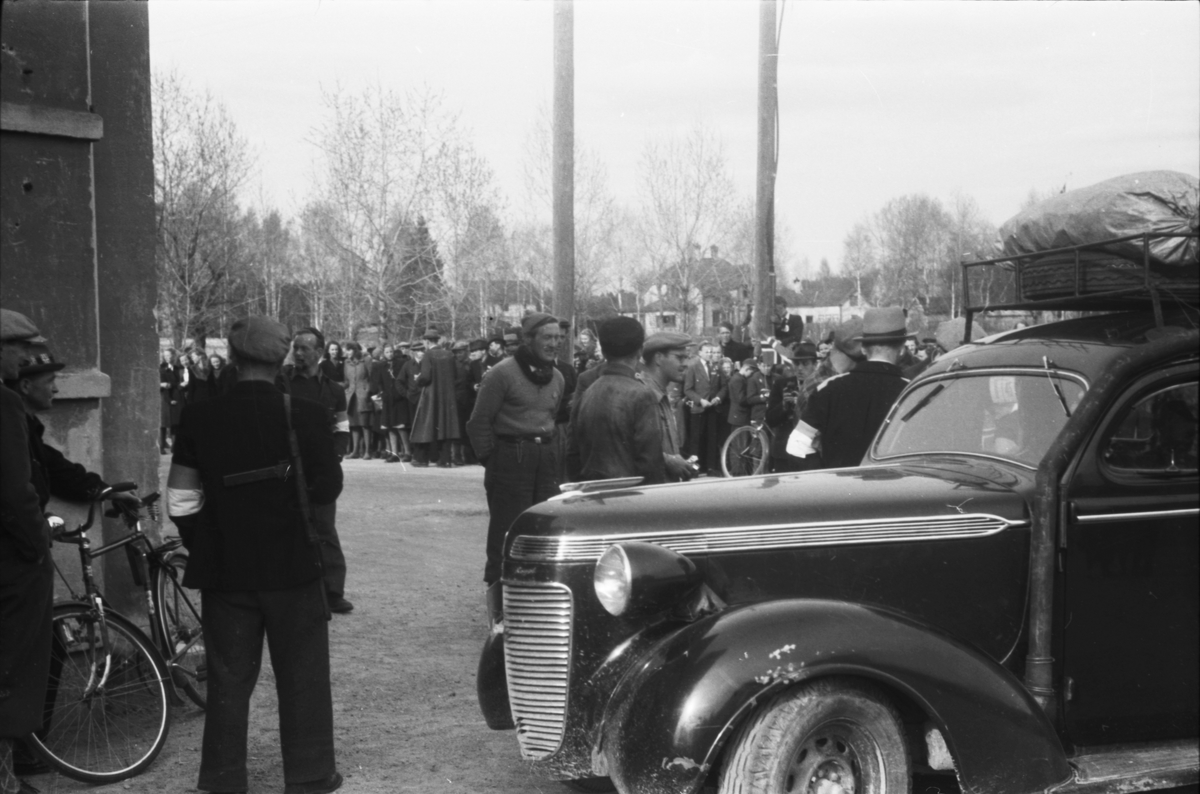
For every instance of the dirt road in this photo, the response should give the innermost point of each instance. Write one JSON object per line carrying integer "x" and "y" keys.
{"x": 403, "y": 662}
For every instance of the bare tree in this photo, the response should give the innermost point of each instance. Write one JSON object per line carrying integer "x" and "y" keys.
{"x": 200, "y": 163}
{"x": 911, "y": 235}
{"x": 688, "y": 206}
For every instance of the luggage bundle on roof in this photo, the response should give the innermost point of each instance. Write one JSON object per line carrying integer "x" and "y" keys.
{"x": 1126, "y": 240}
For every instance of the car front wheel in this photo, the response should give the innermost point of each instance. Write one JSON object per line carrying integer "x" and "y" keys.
{"x": 833, "y": 736}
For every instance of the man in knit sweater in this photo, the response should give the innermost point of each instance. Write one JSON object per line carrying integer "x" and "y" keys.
{"x": 512, "y": 430}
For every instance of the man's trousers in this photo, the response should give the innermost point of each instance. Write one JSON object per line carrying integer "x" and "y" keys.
{"x": 519, "y": 475}
{"x": 333, "y": 561}
{"x": 293, "y": 621}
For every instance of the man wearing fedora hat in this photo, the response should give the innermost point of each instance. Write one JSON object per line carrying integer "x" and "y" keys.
{"x": 436, "y": 429}
{"x": 847, "y": 410}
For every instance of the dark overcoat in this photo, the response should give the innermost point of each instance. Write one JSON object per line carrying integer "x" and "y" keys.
{"x": 251, "y": 536}
{"x": 437, "y": 411}
{"x": 849, "y": 409}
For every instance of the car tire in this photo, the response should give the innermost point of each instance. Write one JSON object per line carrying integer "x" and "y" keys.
{"x": 592, "y": 785}
{"x": 836, "y": 730}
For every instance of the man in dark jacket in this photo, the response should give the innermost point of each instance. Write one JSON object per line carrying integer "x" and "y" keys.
{"x": 847, "y": 410}
{"x": 614, "y": 422}
{"x": 435, "y": 425}
{"x": 26, "y": 570}
{"x": 305, "y": 380}
{"x": 233, "y": 494}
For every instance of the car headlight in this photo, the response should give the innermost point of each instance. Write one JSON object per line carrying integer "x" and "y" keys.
{"x": 637, "y": 577}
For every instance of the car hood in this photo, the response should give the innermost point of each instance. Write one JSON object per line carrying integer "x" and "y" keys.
{"x": 953, "y": 487}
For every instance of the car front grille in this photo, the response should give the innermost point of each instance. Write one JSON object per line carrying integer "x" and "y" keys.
{"x": 537, "y": 657}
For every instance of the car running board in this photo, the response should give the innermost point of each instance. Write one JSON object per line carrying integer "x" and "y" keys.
{"x": 1133, "y": 767}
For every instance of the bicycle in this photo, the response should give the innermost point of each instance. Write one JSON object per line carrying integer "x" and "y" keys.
{"x": 747, "y": 451}
{"x": 107, "y": 711}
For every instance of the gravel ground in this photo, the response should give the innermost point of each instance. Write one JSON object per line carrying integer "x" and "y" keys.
{"x": 405, "y": 713}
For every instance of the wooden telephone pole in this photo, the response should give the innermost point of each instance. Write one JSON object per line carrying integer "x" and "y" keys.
{"x": 564, "y": 166}
{"x": 764, "y": 200}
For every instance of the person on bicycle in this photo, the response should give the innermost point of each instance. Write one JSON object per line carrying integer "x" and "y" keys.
{"x": 233, "y": 493}
{"x": 26, "y": 570}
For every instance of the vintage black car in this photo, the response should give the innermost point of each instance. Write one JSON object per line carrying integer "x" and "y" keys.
{"x": 1004, "y": 591}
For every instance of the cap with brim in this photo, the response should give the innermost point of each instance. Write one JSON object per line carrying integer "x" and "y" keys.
{"x": 535, "y": 321}
{"x": 804, "y": 351}
{"x": 16, "y": 327}
{"x": 461, "y": 344}
{"x": 37, "y": 360}
{"x": 883, "y": 326}
{"x": 621, "y": 336}
{"x": 260, "y": 339}
{"x": 664, "y": 341}
{"x": 477, "y": 344}
{"x": 404, "y": 345}
{"x": 416, "y": 346}
{"x": 432, "y": 333}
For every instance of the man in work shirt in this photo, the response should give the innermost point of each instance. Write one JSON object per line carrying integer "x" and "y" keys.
{"x": 664, "y": 358}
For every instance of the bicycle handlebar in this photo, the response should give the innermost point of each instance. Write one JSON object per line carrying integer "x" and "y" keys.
{"x": 72, "y": 536}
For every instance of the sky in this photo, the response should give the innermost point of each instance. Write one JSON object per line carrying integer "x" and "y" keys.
{"x": 877, "y": 100}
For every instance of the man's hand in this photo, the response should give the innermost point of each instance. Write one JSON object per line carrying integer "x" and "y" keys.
{"x": 678, "y": 467}
{"x": 126, "y": 499}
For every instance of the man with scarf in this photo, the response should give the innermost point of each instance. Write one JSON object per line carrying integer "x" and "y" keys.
{"x": 512, "y": 430}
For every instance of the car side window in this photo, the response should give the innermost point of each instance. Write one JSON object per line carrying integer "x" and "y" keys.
{"x": 1157, "y": 435}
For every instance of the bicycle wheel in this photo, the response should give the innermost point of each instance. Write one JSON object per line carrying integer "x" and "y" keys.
{"x": 183, "y": 636}
{"x": 101, "y": 728}
{"x": 745, "y": 452}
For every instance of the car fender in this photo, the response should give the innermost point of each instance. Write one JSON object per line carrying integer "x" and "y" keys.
{"x": 673, "y": 713}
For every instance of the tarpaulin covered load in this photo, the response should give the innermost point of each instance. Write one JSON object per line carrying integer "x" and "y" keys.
{"x": 1151, "y": 201}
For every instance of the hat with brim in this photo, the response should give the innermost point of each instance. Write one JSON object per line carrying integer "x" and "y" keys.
{"x": 432, "y": 334}
{"x": 804, "y": 351}
{"x": 477, "y": 344}
{"x": 417, "y": 346}
{"x": 664, "y": 341}
{"x": 260, "y": 339}
{"x": 38, "y": 360}
{"x": 16, "y": 327}
{"x": 461, "y": 344}
{"x": 883, "y": 326}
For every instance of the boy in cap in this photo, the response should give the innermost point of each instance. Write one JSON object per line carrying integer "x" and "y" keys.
{"x": 847, "y": 410}
{"x": 664, "y": 360}
{"x": 233, "y": 495}
{"x": 512, "y": 428}
{"x": 615, "y": 430}
{"x": 26, "y": 570}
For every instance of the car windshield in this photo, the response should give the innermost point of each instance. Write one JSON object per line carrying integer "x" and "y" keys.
{"x": 1012, "y": 415}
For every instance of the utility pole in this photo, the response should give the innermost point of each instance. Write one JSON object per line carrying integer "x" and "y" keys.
{"x": 764, "y": 199}
{"x": 564, "y": 165}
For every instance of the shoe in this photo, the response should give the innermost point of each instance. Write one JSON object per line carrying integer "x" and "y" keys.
{"x": 406, "y": 458}
{"x": 392, "y": 459}
{"x": 30, "y": 768}
{"x": 26, "y": 787}
{"x": 340, "y": 606}
{"x": 444, "y": 466}
{"x": 323, "y": 786}
{"x": 424, "y": 464}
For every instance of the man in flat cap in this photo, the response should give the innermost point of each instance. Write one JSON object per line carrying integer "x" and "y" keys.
{"x": 234, "y": 494}
{"x": 435, "y": 430}
{"x": 512, "y": 429}
{"x": 847, "y": 410}
{"x": 664, "y": 360}
{"x": 615, "y": 430}
{"x": 26, "y": 570}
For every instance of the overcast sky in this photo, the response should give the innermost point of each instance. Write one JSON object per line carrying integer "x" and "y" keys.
{"x": 877, "y": 100}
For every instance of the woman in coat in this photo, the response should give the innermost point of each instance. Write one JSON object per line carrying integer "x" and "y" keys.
{"x": 170, "y": 397}
{"x": 333, "y": 366}
{"x": 358, "y": 401}
{"x": 201, "y": 381}
{"x": 393, "y": 404}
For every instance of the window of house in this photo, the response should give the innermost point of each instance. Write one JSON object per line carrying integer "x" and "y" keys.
{"x": 667, "y": 321}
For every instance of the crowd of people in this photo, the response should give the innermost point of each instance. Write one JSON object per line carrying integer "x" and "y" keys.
{"x": 262, "y": 536}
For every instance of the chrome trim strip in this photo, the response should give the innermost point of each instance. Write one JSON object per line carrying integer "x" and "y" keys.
{"x": 538, "y": 620}
{"x": 1102, "y": 518}
{"x": 582, "y": 548}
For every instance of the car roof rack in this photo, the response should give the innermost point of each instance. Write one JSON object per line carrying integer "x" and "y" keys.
{"x": 1086, "y": 277}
